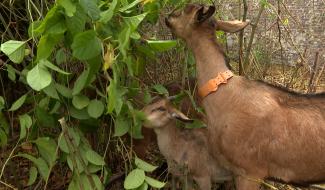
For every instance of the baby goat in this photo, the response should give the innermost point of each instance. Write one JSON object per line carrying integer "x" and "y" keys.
{"x": 183, "y": 147}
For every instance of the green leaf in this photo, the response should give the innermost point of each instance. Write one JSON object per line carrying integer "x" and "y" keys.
{"x": 32, "y": 175}
{"x": 94, "y": 158}
{"x": 26, "y": 121}
{"x": 79, "y": 114}
{"x": 46, "y": 45}
{"x": 94, "y": 168}
{"x": 129, "y": 64}
{"x": 69, "y": 7}
{"x": 154, "y": 183}
{"x": 147, "y": 96}
{"x": 160, "y": 89}
{"x": 80, "y": 101}
{"x": 4, "y": 123}
{"x": 108, "y": 14}
{"x": 64, "y": 91}
{"x": 50, "y": 90}
{"x": 94, "y": 66}
{"x": 3, "y": 138}
{"x": 73, "y": 185}
{"x": 135, "y": 35}
{"x": 57, "y": 30}
{"x": 55, "y": 108}
{"x": 98, "y": 183}
{"x": 144, "y": 186}
{"x": 60, "y": 56}
{"x": 39, "y": 77}
{"x": 134, "y": 21}
{"x": 85, "y": 182}
{"x": 162, "y": 45}
{"x": 86, "y": 45}
{"x": 196, "y": 124}
{"x": 40, "y": 164}
{"x": 52, "y": 66}
{"x": 52, "y": 23}
{"x": 44, "y": 118}
{"x": 144, "y": 165}
{"x": 22, "y": 133}
{"x": 11, "y": 72}
{"x": 111, "y": 96}
{"x": 47, "y": 148}
{"x": 91, "y": 8}
{"x": 15, "y": 50}
{"x": 129, "y": 6}
{"x": 115, "y": 100}
{"x": 2, "y": 103}
{"x": 134, "y": 179}
{"x": 63, "y": 144}
{"x": 69, "y": 162}
{"x": 124, "y": 39}
{"x": 44, "y": 103}
{"x": 95, "y": 108}
{"x": 18, "y": 103}
{"x": 74, "y": 136}
{"x": 122, "y": 126}
{"x": 80, "y": 82}
{"x": 76, "y": 23}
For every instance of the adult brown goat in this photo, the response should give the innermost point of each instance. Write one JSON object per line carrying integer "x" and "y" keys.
{"x": 258, "y": 131}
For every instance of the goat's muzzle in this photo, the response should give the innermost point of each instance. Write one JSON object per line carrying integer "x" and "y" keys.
{"x": 167, "y": 22}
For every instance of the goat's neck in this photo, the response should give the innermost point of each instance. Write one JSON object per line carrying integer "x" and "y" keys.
{"x": 167, "y": 137}
{"x": 209, "y": 58}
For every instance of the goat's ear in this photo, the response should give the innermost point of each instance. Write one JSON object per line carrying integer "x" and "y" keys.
{"x": 180, "y": 116}
{"x": 231, "y": 26}
{"x": 202, "y": 14}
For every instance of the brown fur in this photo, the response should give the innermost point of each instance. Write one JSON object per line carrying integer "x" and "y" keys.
{"x": 143, "y": 147}
{"x": 183, "y": 148}
{"x": 258, "y": 131}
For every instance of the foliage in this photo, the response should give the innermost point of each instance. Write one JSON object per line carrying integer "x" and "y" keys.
{"x": 103, "y": 39}
{"x": 137, "y": 178}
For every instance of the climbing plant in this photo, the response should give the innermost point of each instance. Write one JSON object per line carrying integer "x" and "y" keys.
{"x": 80, "y": 66}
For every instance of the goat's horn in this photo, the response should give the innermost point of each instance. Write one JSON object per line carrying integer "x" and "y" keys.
{"x": 171, "y": 97}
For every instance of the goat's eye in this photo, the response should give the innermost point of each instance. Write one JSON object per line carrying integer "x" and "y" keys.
{"x": 159, "y": 109}
{"x": 176, "y": 14}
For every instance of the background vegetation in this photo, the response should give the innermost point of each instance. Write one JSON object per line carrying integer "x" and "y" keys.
{"x": 75, "y": 73}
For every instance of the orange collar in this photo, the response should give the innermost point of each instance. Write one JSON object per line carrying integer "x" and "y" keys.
{"x": 212, "y": 84}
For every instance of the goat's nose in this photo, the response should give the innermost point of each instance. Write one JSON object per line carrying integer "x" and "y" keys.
{"x": 167, "y": 22}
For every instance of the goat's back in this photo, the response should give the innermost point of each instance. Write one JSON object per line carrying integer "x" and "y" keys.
{"x": 264, "y": 132}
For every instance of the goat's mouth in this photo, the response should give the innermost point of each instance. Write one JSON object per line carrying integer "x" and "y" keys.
{"x": 167, "y": 22}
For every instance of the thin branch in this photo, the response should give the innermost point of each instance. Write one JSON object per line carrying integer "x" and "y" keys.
{"x": 249, "y": 48}
{"x": 241, "y": 41}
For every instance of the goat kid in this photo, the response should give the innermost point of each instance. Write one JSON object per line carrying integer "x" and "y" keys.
{"x": 183, "y": 148}
{"x": 259, "y": 131}
{"x": 146, "y": 146}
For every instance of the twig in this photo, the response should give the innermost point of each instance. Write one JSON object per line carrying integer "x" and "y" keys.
{"x": 8, "y": 185}
{"x": 241, "y": 41}
{"x": 316, "y": 186}
{"x": 10, "y": 156}
{"x": 248, "y": 51}
{"x": 280, "y": 36}
{"x": 311, "y": 85}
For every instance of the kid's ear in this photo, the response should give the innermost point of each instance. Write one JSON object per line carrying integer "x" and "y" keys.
{"x": 180, "y": 116}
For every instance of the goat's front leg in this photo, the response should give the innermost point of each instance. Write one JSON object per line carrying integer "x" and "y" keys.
{"x": 204, "y": 182}
{"x": 246, "y": 184}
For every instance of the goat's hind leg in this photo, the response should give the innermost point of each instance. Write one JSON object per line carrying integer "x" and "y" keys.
{"x": 246, "y": 184}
